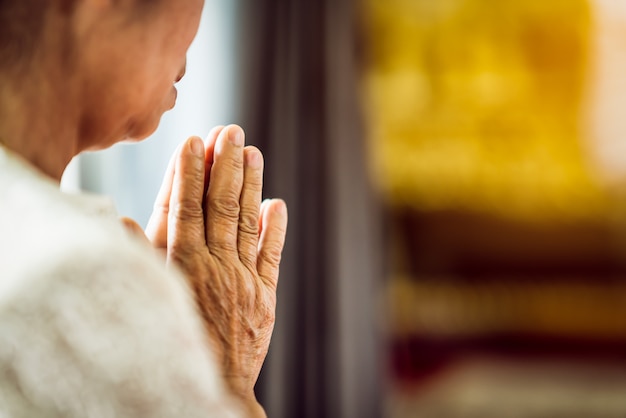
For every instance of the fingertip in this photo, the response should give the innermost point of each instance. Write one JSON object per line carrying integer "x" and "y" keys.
{"x": 262, "y": 209}
{"x": 133, "y": 228}
{"x": 197, "y": 146}
{"x": 280, "y": 207}
{"x": 236, "y": 135}
{"x": 270, "y": 207}
{"x": 209, "y": 148}
{"x": 176, "y": 153}
{"x": 214, "y": 132}
{"x": 253, "y": 157}
{"x": 212, "y": 136}
{"x": 274, "y": 214}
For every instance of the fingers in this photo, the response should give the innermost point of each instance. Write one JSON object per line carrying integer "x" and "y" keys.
{"x": 222, "y": 203}
{"x": 209, "y": 149}
{"x": 186, "y": 219}
{"x": 250, "y": 203}
{"x": 134, "y": 229}
{"x": 156, "y": 230}
{"x": 273, "y": 225}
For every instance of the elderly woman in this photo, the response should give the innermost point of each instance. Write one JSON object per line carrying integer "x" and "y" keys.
{"x": 94, "y": 322}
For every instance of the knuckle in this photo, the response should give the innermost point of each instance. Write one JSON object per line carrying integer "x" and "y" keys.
{"x": 248, "y": 222}
{"x": 187, "y": 211}
{"x": 272, "y": 255}
{"x": 234, "y": 163}
{"x": 254, "y": 182}
{"x": 224, "y": 246}
{"x": 182, "y": 243}
{"x": 159, "y": 207}
{"x": 247, "y": 259}
{"x": 226, "y": 206}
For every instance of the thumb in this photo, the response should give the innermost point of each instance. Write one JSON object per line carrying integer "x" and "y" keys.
{"x": 134, "y": 229}
{"x": 156, "y": 230}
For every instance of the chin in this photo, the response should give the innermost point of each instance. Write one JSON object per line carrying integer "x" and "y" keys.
{"x": 140, "y": 131}
{"x": 134, "y": 133}
{"x": 142, "y": 126}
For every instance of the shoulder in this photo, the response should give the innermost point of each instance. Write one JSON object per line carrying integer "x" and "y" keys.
{"x": 92, "y": 323}
{"x": 55, "y": 244}
{"x": 109, "y": 334}
{"x": 47, "y": 235}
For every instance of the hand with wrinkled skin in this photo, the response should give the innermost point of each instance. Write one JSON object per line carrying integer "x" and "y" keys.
{"x": 211, "y": 223}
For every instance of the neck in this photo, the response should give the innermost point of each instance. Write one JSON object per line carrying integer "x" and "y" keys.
{"x": 38, "y": 118}
{"x": 38, "y": 131}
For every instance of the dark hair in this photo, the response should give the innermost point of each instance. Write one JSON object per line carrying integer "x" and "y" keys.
{"x": 20, "y": 28}
{"x": 21, "y": 23}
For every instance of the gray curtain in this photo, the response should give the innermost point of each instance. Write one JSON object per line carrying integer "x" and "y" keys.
{"x": 298, "y": 75}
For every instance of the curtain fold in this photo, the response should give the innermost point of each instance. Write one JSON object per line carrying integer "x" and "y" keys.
{"x": 300, "y": 106}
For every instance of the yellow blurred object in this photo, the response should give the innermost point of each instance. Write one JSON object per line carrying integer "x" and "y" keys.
{"x": 564, "y": 308}
{"x": 475, "y": 105}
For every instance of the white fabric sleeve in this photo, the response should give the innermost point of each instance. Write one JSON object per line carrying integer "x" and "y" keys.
{"x": 104, "y": 330}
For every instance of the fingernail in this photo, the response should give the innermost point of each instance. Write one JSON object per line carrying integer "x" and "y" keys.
{"x": 235, "y": 135}
{"x": 281, "y": 207}
{"x": 253, "y": 159}
{"x": 197, "y": 147}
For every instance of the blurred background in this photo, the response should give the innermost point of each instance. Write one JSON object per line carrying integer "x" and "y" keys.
{"x": 455, "y": 173}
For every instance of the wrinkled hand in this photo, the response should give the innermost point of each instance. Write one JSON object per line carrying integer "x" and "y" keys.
{"x": 209, "y": 219}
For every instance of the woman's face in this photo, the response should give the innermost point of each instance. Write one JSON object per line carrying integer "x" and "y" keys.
{"x": 132, "y": 57}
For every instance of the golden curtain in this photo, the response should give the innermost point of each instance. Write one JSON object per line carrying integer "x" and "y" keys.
{"x": 476, "y": 105}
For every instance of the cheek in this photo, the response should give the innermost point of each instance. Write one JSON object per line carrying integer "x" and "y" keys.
{"x": 133, "y": 119}
{"x": 146, "y": 121}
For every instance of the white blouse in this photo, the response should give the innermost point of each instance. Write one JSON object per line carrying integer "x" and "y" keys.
{"x": 91, "y": 322}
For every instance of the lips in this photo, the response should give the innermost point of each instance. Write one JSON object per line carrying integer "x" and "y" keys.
{"x": 172, "y": 98}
